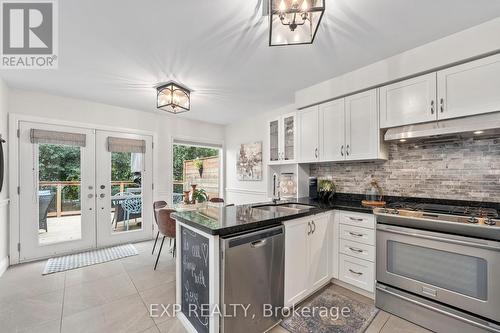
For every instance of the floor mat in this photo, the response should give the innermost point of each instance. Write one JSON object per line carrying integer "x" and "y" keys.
{"x": 323, "y": 314}
{"x": 72, "y": 261}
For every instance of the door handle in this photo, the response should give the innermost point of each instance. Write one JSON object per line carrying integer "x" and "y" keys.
{"x": 316, "y": 152}
{"x": 354, "y": 272}
{"x": 355, "y": 234}
{"x": 310, "y": 228}
{"x": 432, "y": 107}
{"x": 342, "y": 150}
{"x": 355, "y": 219}
{"x": 442, "y": 105}
{"x": 347, "y": 150}
{"x": 314, "y": 225}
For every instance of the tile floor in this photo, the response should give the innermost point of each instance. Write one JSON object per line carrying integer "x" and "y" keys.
{"x": 111, "y": 297}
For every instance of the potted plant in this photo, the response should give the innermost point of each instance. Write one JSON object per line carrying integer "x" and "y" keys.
{"x": 198, "y": 164}
{"x": 200, "y": 196}
{"x": 326, "y": 191}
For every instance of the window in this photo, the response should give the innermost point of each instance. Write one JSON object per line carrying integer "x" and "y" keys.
{"x": 196, "y": 164}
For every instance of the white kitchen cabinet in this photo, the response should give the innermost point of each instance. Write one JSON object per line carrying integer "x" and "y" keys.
{"x": 283, "y": 139}
{"x": 296, "y": 260}
{"x": 346, "y": 129}
{"x": 363, "y": 139}
{"x": 307, "y": 256}
{"x": 308, "y": 134}
{"x": 332, "y": 130}
{"x": 469, "y": 89}
{"x": 408, "y": 102}
{"x": 358, "y": 272}
{"x": 319, "y": 253}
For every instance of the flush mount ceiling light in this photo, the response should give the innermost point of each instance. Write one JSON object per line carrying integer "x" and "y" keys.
{"x": 293, "y": 22}
{"x": 173, "y": 98}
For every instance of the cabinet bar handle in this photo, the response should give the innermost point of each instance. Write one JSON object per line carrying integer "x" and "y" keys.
{"x": 442, "y": 105}
{"x": 355, "y": 219}
{"x": 342, "y": 150}
{"x": 354, "y": 272}
{"x": 355, "y": 234}
{"x": 314, "y": 225}
{"x": 355, "y": 250}
{"x": 347, "y": 150}
{"x": 432, "y": 107}
{"x": 310, "y": 228}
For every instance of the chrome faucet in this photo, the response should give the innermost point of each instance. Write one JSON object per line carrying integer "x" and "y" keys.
{"x": 276, "y": 191}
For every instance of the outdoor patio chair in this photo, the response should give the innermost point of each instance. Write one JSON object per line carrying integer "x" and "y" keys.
{"x": 131, "y": 206}
{"x": 157, "y": 205}
{"x": 45, "y": 199}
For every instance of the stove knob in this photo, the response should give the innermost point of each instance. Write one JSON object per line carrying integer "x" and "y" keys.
{"x": 472, "y": 219}
{"x": 490, "y": 221}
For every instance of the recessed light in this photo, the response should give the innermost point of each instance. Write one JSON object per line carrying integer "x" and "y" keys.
{"x": 478, "y": 132}
{"x": 402, "y": 140}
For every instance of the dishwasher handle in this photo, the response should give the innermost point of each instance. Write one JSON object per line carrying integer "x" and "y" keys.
{"x": 253, "y": 238}
{"x": 259, "y": 243}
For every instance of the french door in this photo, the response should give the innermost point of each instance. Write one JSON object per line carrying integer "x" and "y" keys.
{"x": 82, "y": 188}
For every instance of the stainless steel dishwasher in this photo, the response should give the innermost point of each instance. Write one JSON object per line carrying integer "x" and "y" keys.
{"x": 252, "y": 274}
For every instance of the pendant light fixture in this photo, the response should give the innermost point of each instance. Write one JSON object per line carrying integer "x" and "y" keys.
{"x": 293, "y": 22}
{"x": 173, "y": 98}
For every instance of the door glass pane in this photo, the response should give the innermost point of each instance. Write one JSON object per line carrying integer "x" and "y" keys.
{"x": 452, "y": 271}
{"x": 289, "y": 138}
{"x": 274, "y": 140}
{"x": 126, "y": 191}
{"x": 59, "y": 183}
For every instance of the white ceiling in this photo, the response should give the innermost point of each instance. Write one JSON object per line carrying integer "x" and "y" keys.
{"x": 115, "y": 52}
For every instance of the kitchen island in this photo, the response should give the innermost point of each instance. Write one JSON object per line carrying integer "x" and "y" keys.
{"x": 202, "y": 236}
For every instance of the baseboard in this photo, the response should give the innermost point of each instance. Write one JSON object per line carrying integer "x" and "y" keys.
{"x": 4, "y": 264}
{"x": 354, "y": 288}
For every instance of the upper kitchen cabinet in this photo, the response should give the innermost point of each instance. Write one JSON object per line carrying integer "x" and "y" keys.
{"x": 469, "y": 89}
{"x": 408, "y": 102}
{"x": 332, "y": 130}
{"x": 362, "y": 132}
{"x": 309, "y": 134}
{"x": 283, "y": 139}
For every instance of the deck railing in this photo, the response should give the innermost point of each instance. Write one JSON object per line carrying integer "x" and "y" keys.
{"x": 59, "y": 185}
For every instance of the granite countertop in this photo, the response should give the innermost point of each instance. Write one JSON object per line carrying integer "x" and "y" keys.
{"x": 223, "y": 221}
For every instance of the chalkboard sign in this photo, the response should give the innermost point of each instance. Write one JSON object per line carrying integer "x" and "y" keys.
{"x": 195, "y": 279}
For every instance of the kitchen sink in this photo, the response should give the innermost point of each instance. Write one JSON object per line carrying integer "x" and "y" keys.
{"x": 287, "y": 208}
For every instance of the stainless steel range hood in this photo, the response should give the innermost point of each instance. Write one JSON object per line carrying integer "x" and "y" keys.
{"x": 480, "y": 125}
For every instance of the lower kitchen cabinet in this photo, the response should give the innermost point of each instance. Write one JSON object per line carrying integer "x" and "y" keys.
{"x": 356, "y": 253}
{"x": 307, "y": 256}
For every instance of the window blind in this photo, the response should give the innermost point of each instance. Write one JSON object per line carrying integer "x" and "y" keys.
{"x": 122, "y": 145}
{"x": 54, "y": 137}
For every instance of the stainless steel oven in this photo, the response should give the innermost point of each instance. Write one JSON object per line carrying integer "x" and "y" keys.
{"x": 457, "y": 271}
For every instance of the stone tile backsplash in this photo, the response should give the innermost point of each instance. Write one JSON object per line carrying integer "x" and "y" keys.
{"x": 467, "y": 169}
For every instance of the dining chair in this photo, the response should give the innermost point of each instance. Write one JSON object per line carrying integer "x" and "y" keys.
{"x": 166, "y": 226}
{"x": 156, "y": 206}
{"x": 216, "y": 200}
{"x": 131, "y": 206}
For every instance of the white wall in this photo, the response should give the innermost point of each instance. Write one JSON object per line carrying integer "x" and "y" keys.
{"x": 4, "y": 197}
{"x": 166, "y": 126}
{"x": 248, "y": 130}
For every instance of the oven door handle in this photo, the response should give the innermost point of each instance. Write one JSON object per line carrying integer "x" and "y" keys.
{"x": 415, "y": 233}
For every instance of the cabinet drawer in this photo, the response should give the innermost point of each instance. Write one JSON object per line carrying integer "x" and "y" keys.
{"x": 358, "y": 250}
{"x": 358, "y": 272}
{"x": 358, "y": 219}
{"x": 357, "y": 234}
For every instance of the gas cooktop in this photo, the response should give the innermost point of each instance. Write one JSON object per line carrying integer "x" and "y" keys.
{"x": 461, "y": 220}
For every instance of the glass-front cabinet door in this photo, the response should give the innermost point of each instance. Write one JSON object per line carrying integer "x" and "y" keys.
{"x": 282, "y": 139}
{"x": 289, "y": 137}
{"x": 274, "y": 150}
